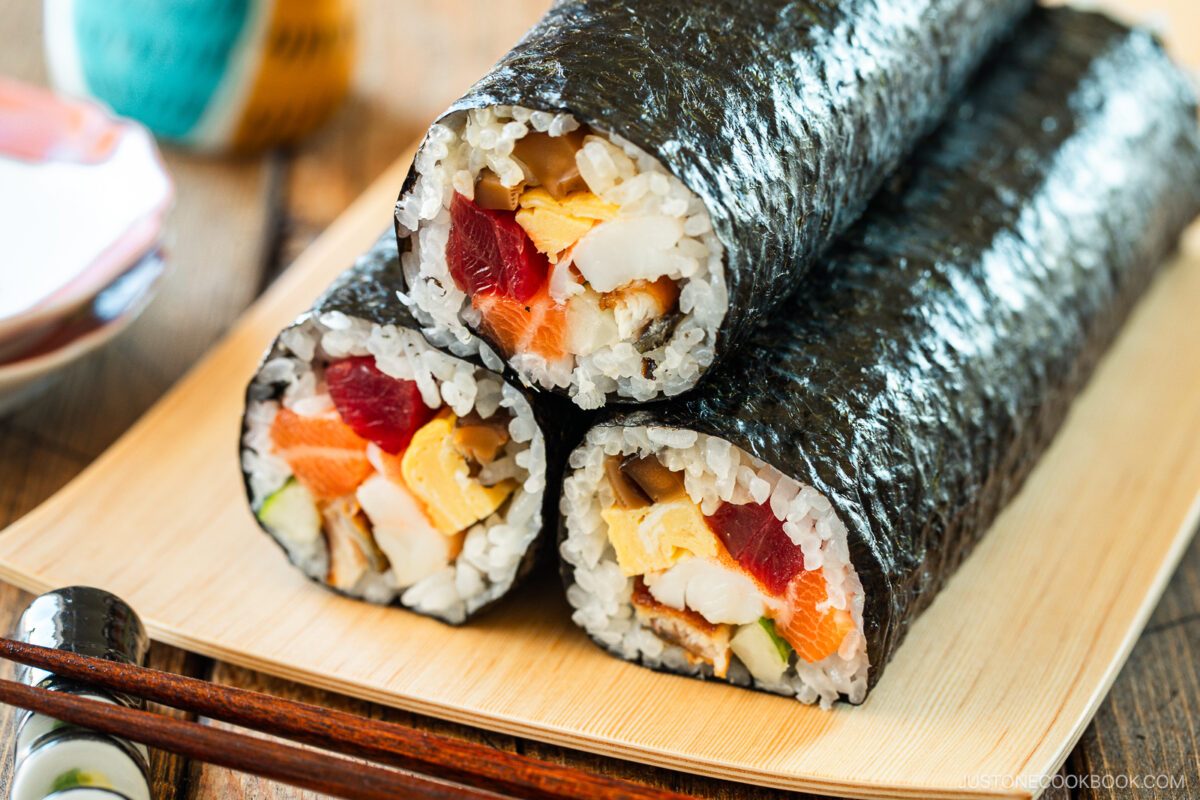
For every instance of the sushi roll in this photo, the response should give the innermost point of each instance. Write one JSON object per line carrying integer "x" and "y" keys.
{"x": 389, "y": 470}
{"x": 783, "y": 526}
{"x": 635, "y": 185}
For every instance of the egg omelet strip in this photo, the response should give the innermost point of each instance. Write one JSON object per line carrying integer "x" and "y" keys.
{"x": 553, "y": 225}
{"x": 435, "y": 472}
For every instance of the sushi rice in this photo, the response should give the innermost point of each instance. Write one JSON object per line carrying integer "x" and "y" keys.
{"x": 494, "y": 549}
{"x": 661, "y": 230}
{"x": 714, "y": 472}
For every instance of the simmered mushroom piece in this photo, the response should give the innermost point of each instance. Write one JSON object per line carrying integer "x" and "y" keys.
{"x": 480, "y": 440}
{"x": 656, "y": 481}
{"x": 551, "y": 159}
{"x": 491, "y": 194}
{"x": 627, "y": 493}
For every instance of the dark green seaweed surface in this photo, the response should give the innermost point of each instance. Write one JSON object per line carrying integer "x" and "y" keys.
{"x": 783, "y": 116}
{"x": 931, "y": 359}
{"x": 368, "y": 291}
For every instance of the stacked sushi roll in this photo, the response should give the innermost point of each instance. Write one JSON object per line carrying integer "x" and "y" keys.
{"x": 390, "y": 470}
{"x": 688, "y": 553}
{"x": 827, "y": 425}
{"x": 782, "y": 526}
{"x": 582, "y": 262}
{"x": 616, "y": 205}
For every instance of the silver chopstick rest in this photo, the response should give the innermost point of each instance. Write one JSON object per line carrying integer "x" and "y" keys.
{"x": 66, "y": 762}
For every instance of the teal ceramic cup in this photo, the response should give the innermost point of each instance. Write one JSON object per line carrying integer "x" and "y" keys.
{"x": 213, "y": 74}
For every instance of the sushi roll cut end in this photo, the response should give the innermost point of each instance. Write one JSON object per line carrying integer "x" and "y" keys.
{"x": 576, "y": 256}
{"x": 691, "y": 555}
{"x": 391, "y": 471}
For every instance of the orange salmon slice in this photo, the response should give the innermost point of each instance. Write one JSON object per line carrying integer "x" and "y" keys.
{"x": 813, "y": 634}
{"x": 325, "y": 454}
{"x": 538, "y": 326}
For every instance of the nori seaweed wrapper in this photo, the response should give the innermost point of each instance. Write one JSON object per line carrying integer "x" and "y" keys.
{"x": 783, "y": 116}
{"x": 929, "y": 362}
{"x": 368, "y": 291}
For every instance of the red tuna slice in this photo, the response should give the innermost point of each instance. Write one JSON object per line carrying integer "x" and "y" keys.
{"x": 489, "y": 253}
{"x": 756, "y": 540}
{"x": 378, "y": 407}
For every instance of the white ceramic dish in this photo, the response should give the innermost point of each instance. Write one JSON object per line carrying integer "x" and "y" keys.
{"x": 83, "y": 195}
{"x": 110, "y": 312}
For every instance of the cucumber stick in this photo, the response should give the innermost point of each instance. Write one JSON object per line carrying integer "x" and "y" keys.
{"x": 291, "y": 513}
{"x": 762, "y": 650}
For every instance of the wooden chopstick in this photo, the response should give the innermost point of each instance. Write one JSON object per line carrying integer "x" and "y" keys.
{"x": 439, "y": 756}
{"x": 307, "y": 769}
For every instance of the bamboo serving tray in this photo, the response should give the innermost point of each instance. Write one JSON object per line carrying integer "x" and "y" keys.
{"x": 992, "y": 688}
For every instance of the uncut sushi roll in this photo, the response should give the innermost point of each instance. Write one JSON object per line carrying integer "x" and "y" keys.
{"x": 636, "y": 184}
{"x": 782, "y": 526}
{"x": 389, "y": 470}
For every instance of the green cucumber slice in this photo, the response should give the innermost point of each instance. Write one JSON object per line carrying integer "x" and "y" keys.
{"x": 761, "y": 649}
{"x": 291, "y": 514}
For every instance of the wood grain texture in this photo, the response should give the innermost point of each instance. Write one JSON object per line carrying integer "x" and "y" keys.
{"x": 215, "y": 780}
{"x": 1002, "y": 691}
{"x": 284, "y": 763}
{"x": 170, "y": 774}
{"x": 1149, "y": 727}
{"x": 361, "y": 738}
{"x": 277, "y": 205}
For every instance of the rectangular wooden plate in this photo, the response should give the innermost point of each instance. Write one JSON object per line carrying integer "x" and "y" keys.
{"x": 993, "y": 687}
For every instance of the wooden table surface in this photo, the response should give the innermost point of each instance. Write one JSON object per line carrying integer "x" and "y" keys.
{"x": 238, "y": 222}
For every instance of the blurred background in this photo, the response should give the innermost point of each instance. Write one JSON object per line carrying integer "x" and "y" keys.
{"x": 238, "y": 219}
